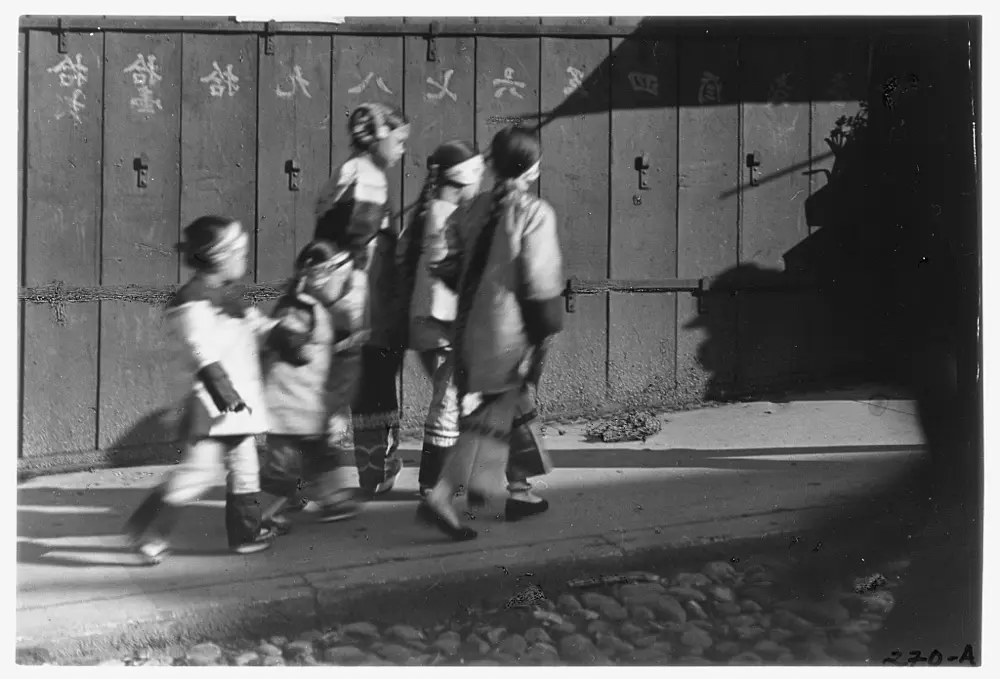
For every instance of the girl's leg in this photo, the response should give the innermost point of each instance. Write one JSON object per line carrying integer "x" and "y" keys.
{"x": 243, "y": 514}
{"x": 325, "y": 468}
{"x": 151, "y": 524}
{"x": 476, "y": 462}
{"x": 441, "y": 425}
{"x": 376, "y": 421}
{"x": 281, "y": 472}
{"x": 528, "y": 458}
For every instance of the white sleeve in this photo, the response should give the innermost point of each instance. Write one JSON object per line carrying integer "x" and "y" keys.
{"x": 194, "y": 324}
{"x": 260, "y": 322}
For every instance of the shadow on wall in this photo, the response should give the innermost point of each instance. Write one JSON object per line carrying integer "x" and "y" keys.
{"x": 896, "y": 260}
{"x": 155, "y": 439}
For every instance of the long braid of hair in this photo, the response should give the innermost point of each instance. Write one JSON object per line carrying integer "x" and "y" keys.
{"x": 472, "y": 279}
{"x": 412, "y": 239}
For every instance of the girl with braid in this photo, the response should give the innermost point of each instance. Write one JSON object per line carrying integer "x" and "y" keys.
{"x": 509, "y": 309}
{"x": 226, "y": 408}
{"x": 454, "y": 173}
{"x": 354, "y": 213}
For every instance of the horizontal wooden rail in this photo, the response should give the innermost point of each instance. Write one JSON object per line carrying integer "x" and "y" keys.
{"x": 699, "y": 287}
{"x": 58, "y": 295}
{"x": 652, "y": 27}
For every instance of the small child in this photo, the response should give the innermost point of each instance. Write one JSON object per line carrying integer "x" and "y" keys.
{"x": 308, "y": 388}
{"x": 226, "y": 407}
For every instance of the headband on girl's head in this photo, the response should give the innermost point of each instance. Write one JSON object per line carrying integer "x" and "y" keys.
{"x": 467, "y": 172}
{"x": 231, "y": 240}
{"x": 527, "y": 178}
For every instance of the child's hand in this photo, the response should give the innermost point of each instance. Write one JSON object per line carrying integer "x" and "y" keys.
{"x": 338, "y": 430}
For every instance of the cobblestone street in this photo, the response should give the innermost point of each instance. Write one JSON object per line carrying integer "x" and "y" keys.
{"x": 724, "y": 613}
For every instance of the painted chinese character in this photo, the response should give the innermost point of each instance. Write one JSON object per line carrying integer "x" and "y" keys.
{"x": 73, "y": 106}
{"x": 838, "y": 89}
{"x": 144, "y": 76}
{"x": 71, "y": 74}
{"x": 443, "y": 90}
{"x": 509, "y": 84}
{"x": 644, "y": 82}
{"x": 780, "y": 89}
{"x": 143, "y": 71}
{"x": 297, "y": 81}
{"x": 575, "y": 81}
{"x": 360, "y": 87}
{"x": 220, "y": 81}
{"x": 710, "y": 90}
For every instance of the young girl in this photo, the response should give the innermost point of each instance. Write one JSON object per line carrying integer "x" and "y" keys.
{"x": 509, "y": 308}
{"x": 353, "y": 212}
{"x": 308, "y": 389}
{"x": 454, "y": 173}
{"x": 226, "y": 408}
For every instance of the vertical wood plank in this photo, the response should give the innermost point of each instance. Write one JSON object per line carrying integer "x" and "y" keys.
{"x": 838, "y": 81}
{"x": 642, "y": 327}
{"x": 295, "y": 123}
{"x": 575, "y": 181}
{"x": 774, "y": 83}
{"x": 507, "y": 86}
{"x": 219, "y": 130}
{"x": 22, "y": 130}
{"x": 356, "y": 58}
{"x": 138, "y": 367}
{"x": 707, "y": 204}
{"x": 440, "y": 102}
{"x": 63, "y": 210}
{"x": 367, "y": 69}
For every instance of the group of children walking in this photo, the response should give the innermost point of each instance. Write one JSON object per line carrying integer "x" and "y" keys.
{"x": 472, "y": 285}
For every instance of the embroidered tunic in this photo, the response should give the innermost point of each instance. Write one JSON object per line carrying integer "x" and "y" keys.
{"x": 524, "y": 264}
{"x": 215, "y": 327}
{"x": 353, "y": 211}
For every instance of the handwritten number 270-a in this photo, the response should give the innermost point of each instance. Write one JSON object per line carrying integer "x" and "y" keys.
{"x": 934, "y": 659}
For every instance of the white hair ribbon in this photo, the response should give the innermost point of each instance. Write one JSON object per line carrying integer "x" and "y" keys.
{"x": 232, "y": 239}
{"x": 528, "y": 177}
{"x": 467, "y": 172}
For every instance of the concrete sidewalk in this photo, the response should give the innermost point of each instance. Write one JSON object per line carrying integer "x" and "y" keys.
{"x": 729, "y": 472}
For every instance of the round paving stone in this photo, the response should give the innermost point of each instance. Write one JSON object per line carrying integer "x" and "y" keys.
{"x": 345, "y": 655}
{"x": 267, "y": 649}
{"x": 746, "y": 659}
{"x": 578, "y": 648}
{"x": 536, "y": 635}
{"x": 720, "y": 571}
{"x": 204, "y": 655}
{"x": 683, "y": 594}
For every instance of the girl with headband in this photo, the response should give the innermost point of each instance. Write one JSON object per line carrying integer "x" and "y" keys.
{"x": 354, "y": 213}
{"x": 226, "y": 408}
{"x": 454, "y": 173}
{"x": 509, "y": 309}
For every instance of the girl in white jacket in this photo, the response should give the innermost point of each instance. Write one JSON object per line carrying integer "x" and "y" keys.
{"x": 226, "y": 407}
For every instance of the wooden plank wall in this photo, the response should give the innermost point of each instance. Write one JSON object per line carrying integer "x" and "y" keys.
{"x": 218, "y": 124}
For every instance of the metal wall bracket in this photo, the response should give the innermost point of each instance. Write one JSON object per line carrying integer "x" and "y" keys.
{"x": 141, "y": 167}
{"x": 293, "y": 170}
{"x": 60, "y": 37}
{"x": 570, "y": 294}
{"x": 269, "y": 31}
{"x": 432, "y": 31}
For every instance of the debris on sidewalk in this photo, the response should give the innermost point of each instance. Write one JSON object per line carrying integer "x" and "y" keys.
{"x": 632, "y": 426}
